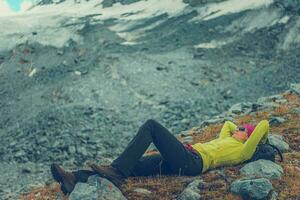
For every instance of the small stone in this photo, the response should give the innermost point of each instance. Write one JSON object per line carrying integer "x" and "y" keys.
{"x": 277, "y": 140}
{"x": 20, "y": 153}
{"x": 295, "y": 88}
{"x": 60, "y": 52}
{"x": 274, "y": 195}
{"x": 296, "y": 110}
{"x": 236, "y": 109}
{"x": 273, "y": 98}
{"x": 187, "y": 140}
{"x": 185, "y": 120}
{"x": 32, "y": 72}
{"x": 72, "y": 149}
{"x": 191, "y": 192}
{"x": 77, "y": 73}
{"x": 82, "y": 150}
{"x": 56, "y": 143}
{"x": 65, "y": 63}
{"x": 42, "y": 140}
{"x": 211, "y": 121}
{"x": 198, "y": 55}
{"x": 281, "y": 101}
{"x": 142, "y": 191}
{"x": 274, "y": 121}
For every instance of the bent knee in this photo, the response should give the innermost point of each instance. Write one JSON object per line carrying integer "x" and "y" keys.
{"x": 151, "y": 121}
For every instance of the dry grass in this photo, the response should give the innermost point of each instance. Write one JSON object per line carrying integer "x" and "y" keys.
{"x": 50, "y": 192}
{"x": 207, "y": 134}
{"x": 244, "y": 119}
{"x": 216, "y": 186}
{"x": 164, "y": 187}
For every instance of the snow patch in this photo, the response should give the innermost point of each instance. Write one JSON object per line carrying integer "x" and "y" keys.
{"x": 254, "y": 20}
{"x": 215, "y": 10}
{"x": 49, "y": 21}
{"x": 292, "y": 38}
{"x": 211, "y": 45}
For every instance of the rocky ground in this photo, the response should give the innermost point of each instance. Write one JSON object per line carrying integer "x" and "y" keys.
{"x": 84, "y": 97}
{"x": 260, "y": 179}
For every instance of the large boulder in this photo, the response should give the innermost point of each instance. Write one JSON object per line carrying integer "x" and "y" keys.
{"x": 84, "y": 191}
{"x": 262, "y": 168}
{"x": 252, "y": 189}
{"x": 96, "y": 188}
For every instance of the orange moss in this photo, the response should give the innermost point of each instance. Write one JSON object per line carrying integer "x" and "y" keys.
{"x": 244, "y": 119}
{"x": 49, "y": 192}
{"x": 281, "y": 110}
{"x": 261, "y": 115}
{"x": 209, "y": 133}
{"x": 289, "y": 186}
{"x": 291, "y": 97}
{"x": 162, "y": 187}
{"x": 232, "y": 197}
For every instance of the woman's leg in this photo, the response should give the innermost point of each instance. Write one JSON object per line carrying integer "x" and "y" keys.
{"x": 83, "y": 175}
{"x": 151, "y": 165}
{"x": 172, "y": 151}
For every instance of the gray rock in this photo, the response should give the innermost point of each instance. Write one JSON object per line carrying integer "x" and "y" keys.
{"x": 241, "y": 108}
{"x": 236, "y": 108}
{"x": 252, "y": 189}
{"x": 82, "y": 150}
{"x": 295, "y": 88}
{"x": 289, "y": 5}
{"x": 274, "y": 195}
{"x": 191, "y": 192}
{"x": 273, "y": 98}
{"x": 142, "y": 191}
{"x": 96, "y": 188}
{"x": 83, "y": 191}
{"x": 277, "y": 140}
{"x": 188, "y": 139}
{"x": 60, "y": 52}
{"x": 266, "y": 106}
{"x": 296, "y": 110}
{"x": 105, "y": 189}
{"x": 72, "y": 149}
{"x": 20, "y": 153}
{"x": 262, "y": 168}
{"x": 212, "y": 121}
{"x": 274, "y": 121}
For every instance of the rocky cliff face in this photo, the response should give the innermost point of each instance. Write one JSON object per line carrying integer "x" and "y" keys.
{"x": 77, "y": 78}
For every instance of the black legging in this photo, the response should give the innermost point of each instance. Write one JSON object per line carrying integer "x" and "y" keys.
{"x": 173, "y": 157}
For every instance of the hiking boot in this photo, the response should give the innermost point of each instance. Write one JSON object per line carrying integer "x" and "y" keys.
{"x": 110, "y": 173}
{"x": 66, "y": 179}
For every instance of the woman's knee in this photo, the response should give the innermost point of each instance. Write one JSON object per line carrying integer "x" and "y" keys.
{"x": 151, "y": 122}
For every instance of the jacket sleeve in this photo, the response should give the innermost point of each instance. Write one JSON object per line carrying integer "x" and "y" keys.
{"x": 259, "y": 135}
{"x": 227, "y": 129}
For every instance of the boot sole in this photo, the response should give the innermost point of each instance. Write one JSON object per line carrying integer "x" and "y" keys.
{"x": 55, "y": 174}
{"x": 59, "y": 179}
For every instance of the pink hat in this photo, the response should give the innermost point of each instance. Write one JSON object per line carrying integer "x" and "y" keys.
{"x": 250, "y": 128}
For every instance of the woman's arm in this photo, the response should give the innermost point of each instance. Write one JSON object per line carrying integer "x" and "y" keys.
{"x": 227, "y": 129}
{"x": 259, "y": 134}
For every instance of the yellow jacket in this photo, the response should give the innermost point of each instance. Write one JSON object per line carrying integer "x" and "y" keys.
{"x": 226, "y": 150}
